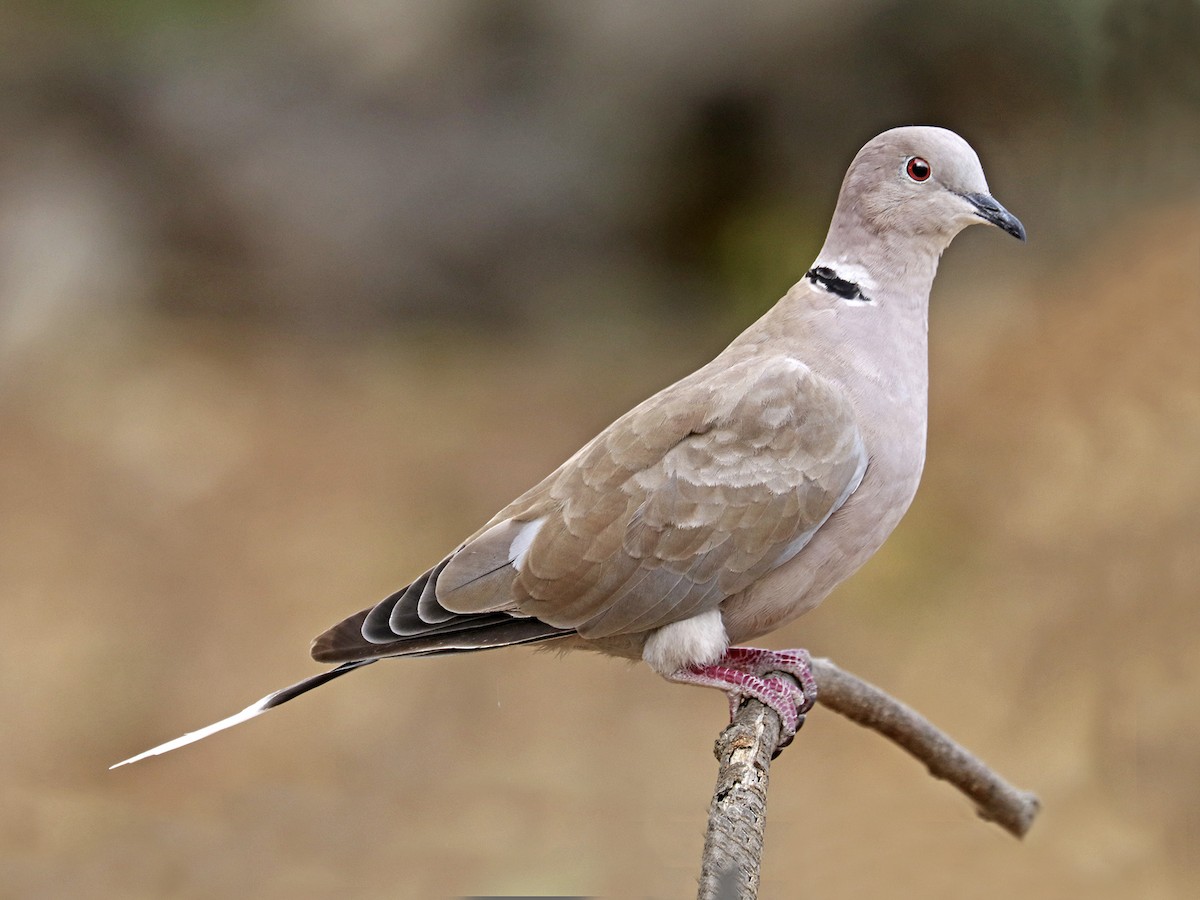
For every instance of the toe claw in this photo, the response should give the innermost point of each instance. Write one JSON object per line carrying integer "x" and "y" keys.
{"x": 762, "y": 674}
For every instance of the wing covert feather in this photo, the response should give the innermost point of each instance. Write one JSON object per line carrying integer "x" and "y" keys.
{"x": 686, "y": 500}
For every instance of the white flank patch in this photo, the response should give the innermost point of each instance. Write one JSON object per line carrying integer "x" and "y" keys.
{"x": 699, "y": 640}
{"x": 191, "y": 737}
{"x": 519, "y": 548}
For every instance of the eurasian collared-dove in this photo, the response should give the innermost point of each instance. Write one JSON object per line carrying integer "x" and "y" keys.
{"x": 734, "y": 500}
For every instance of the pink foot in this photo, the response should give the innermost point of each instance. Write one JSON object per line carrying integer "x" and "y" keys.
{"x": 743, "y": 672}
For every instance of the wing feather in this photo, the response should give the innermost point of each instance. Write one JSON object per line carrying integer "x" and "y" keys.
{"x": 685, "y": 501}
{"x": 710, "y": 484}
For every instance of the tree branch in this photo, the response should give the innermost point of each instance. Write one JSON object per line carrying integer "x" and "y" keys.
{"x": 737, "y": 814}
{"x": 995, "y": 799}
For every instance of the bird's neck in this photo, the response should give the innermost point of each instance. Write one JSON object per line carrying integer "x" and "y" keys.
{"x": 861, "y": 318}
{"x": 883, "y": 265}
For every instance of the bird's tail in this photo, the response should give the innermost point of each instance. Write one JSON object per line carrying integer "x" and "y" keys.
{"x": 278, "y": 698}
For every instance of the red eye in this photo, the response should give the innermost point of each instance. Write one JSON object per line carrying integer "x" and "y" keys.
{"x": 918, "y": 169}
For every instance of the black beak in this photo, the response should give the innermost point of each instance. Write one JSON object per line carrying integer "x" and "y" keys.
{"x": 990, "y": 211}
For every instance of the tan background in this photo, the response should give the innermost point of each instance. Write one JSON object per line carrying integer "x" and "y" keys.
{"x": 290, "y": 301}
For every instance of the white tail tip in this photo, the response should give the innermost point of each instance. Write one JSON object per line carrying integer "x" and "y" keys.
{"x": 249, "y": 712}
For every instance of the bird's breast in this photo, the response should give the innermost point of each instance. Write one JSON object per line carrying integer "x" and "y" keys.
{"x": 895, "y": 442}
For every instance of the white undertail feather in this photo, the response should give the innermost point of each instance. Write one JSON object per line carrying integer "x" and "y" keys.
{"x": 272, "y": 700}
{"x": 699, "y": 640}
{"x": 254, "y": 709}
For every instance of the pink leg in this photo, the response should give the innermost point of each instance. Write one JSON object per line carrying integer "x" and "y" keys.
{"x": 796, "y": 663}
{"x": 743, "y": 672}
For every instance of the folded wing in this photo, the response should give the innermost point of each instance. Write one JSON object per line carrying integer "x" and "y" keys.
{"x": 684, "y": 501}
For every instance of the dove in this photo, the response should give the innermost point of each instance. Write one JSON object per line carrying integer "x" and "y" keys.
{"x": 733, "y": 501}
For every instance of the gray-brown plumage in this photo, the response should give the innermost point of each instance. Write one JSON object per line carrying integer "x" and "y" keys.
{"x": 736, "y": 499}
{"x": 682, "y": 503}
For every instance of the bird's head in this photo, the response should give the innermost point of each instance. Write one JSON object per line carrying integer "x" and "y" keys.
{"x": 921, "y": 182}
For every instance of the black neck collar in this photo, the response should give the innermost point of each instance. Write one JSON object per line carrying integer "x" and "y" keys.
{"x": 828, "y": 279}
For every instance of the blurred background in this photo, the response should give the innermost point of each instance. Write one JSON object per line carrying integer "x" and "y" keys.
{"x": 294, "y": 295}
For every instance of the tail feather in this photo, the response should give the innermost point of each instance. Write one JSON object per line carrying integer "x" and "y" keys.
{"x": 344, "y": 642}
{"x": 347, "y": 643}
{"x": 278, "y": 698}
{"x": 340, "y": 640}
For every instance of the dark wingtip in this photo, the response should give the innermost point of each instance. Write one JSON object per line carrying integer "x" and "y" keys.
{"x": 341, "y": 643}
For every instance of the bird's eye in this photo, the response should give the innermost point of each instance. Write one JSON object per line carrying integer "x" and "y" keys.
{"x": 918, "y": 169}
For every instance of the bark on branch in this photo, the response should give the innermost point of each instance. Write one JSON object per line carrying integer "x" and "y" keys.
{"x": 737, "y": 814}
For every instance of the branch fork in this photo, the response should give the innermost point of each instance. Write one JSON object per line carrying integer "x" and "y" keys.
{"x": 737, "y": 814}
